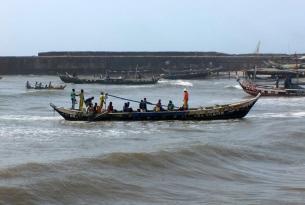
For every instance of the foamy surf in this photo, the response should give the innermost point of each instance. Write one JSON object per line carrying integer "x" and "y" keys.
{"x": 176, "y": 82}
{"x": 233, "y": 87}
{"x": 278, "y": 115}
{"x": 28, "y": 118}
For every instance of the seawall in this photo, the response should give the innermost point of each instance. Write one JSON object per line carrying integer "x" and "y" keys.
{"x": 154, "y": 62}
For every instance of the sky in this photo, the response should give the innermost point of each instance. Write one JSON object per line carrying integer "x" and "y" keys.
{"x": 229, "y": 26}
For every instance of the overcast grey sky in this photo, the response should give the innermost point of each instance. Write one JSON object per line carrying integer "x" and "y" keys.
{"x": 232, "y": 26}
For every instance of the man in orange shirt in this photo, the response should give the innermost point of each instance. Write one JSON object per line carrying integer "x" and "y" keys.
{"x": 185, "y": 99}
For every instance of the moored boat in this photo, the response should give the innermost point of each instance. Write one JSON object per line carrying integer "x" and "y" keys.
{"x": 270, "y": 90}
{"x": 46, "y": 87}
{"x": 185, "y": 74}
{"x": 217, "y": 112}
{"x": 111, "y": 80}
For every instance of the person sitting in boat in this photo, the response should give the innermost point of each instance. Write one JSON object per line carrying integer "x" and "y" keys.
{"x": 110, "y": 107}
{"x": 50, "y": 85}
{"x": 170, "y": 106}
{"x": 40, "y": 85}
{"x": 36, "y": 84}
{"x": 90, "y": 108}
{"x": 126, "y": 107}
{"x": 158, "y": 107}
{"x": 142, "y": 106}
{"x": 95, "y": 108}
{"x": 88, "y": 101}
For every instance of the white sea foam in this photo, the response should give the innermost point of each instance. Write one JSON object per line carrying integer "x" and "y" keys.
{"x": 278, "y": 115}
{"x": 29, "y": 118}
{"x": 233, "y": 87}
{"x": 177, "y": 82}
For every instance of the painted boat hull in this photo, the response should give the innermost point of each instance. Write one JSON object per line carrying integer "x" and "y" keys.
{"x": 111, "y": 81}
{"x": 219, "y": 112}
{"x": 43, "y": 88}
{"x": 185, "y": 75}
{"x": 254, "y": 90}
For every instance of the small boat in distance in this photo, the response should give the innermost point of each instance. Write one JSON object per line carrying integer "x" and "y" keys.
{"x": 270, "y": 90}
{"x": 67, "y": 78}
{"x": 39, "y": 86}
{"x": 216, "y": 112}
{"x": 185, "y": 74}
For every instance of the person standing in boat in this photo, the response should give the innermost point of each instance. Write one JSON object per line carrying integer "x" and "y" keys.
{"x": 142, "y": 106}
{"x": 185, "y": 99}
{"x": 102, "y": 100}
{"x": 277, "y": 81}
{"x": 81, "y": 100}
{"x": 145, "y": 105}
{"x": 73, "y": 99}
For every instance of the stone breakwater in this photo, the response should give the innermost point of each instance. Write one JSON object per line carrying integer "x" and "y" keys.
{"x": 150, "y": 62}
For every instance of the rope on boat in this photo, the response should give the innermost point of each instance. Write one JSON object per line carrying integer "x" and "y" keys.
{"x": 136, "y": 101}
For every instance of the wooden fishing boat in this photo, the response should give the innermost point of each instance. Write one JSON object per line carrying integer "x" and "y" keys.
{"x": 270, "y": 90}
{"x": 273, "y": 72}
{"x": 217, "y": 112}
{"x": 185, "y": 74}
{"x": 117, "y": 81}
{"x": 57, "y": 87}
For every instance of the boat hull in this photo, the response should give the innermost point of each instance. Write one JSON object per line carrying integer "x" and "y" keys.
{"x": 219, "y": 112}
{"x": 254, "y": 90}
{"x": 116, "y": 81}
{"x": 185, "y": 76}
{"x": 46, "y": 88}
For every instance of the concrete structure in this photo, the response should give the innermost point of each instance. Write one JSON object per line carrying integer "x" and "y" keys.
{"x": 99, "y": 62}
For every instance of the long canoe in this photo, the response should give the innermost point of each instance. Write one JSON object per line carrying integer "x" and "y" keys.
{"x": 185, "y": 74}
{"x": 115, "y": 81}
{"x": 254, "y": 89}
{"x": 59, "y": 87}
{"x": 217, "y": 112}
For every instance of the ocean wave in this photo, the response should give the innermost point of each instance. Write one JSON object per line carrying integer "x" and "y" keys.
{"x": 197, "y": 155}
{"x": 296, "y": 114}
{"x": 283, "y": 101}
{"x": 176, "y": 82}
{"x": 233, "y": 87}
{"x": 136, "y": 176}
{"x": 29, "y": 118}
